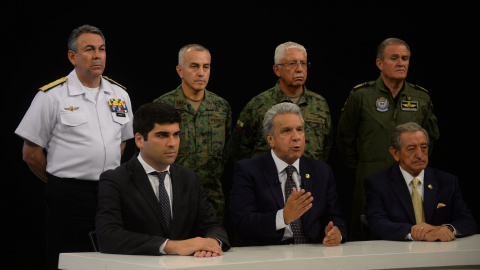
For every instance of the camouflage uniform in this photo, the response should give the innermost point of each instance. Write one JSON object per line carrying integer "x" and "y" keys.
{"x": 203, "y": 141}
{"x": 248, "y": 139}
{"x": 366, "y": 125}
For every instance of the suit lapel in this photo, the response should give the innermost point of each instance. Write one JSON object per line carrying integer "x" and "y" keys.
{"x": 140, "y": 180}
{"x": 270, "y": 175}
{"x": 429, "y": 195}
{"x": 306, "y": 183}
{"x": 401, "y": 189}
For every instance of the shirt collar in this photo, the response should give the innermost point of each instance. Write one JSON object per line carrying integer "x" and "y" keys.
{"x": 408, "y": 177}
{"x": 149, "y": 169}
{"x": 281, "y": 165}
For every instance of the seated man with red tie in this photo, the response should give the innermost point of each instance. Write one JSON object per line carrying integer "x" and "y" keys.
{"x": 283, "y": 197}
{"x": 150, "y": 205}
{"x": 409, "y": 201}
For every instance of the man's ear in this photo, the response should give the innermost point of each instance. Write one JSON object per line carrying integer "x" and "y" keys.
{"x": 271, "y": 141}
{"x": 394, "y": 153}
{"x": 71, "y": 57}
{"x": 139, "y": 140}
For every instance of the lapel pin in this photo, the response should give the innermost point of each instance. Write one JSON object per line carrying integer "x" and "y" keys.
{"x": 307, "y": 175}
{"x": 430, "y": 186}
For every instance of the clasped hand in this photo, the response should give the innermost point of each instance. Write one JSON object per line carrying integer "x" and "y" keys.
{"x": 427, "y": 232}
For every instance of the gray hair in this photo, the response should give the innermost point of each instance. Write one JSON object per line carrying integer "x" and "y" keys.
{"x": 280, "y": 108}
{"x": 407, "y": 127}
{"x": 282, "y": 48}
{"x": 389, "y": 41}
{"x": 195, "y": 47}
{"x": 72, "y": 39}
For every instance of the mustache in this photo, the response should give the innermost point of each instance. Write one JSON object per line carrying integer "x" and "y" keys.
{"x": 298, "y": 75}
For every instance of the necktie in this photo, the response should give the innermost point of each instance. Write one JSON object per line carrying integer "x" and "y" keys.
{"x": 417, "y": 202}
{"x": 296, "y": 225}
{"x": 164, "y": 199}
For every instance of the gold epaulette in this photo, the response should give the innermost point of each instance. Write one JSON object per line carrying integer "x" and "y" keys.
{"x": 114, "y": 82}
{"x": 418, "y": 87}
{"x": 360, "y": 85}
{"x": 53, "y": 84}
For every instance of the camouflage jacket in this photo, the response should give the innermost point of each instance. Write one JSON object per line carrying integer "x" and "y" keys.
{"x": 204, "y": 139}
{"x": 248, "y": 139}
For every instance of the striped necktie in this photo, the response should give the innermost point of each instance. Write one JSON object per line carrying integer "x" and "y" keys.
{"x": 296, "y": 225}
{"x": 164, "y": 199}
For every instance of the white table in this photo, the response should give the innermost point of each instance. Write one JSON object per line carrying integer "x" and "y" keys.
{"x": 351, "y": 255}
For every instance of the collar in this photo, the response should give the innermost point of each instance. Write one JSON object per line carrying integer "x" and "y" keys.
{"x": 408, "y": 177}
{"x": 281, "y": 165}
{"x": 149, "y": 169}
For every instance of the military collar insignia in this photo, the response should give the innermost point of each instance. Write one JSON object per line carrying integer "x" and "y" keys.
{"x": 382, "y": 104}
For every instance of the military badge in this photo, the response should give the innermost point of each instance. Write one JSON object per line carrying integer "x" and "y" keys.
{"x": 382, "y": 104}
{"x": 410, "y": 106}
{"x": 239, "y": 125}
{"x": 118, "y": 105}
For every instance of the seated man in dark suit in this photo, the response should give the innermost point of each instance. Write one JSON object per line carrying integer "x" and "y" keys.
{"x": 433, "y": 211}
{"x": 283, "y": 197}
{"x": 142, "y": 211}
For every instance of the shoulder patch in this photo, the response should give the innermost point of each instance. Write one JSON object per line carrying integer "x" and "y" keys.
{"x": 418, "y": 87}
{"x": 53, "y": 84}
{"x": 360, "y": 85}
{"x": 114, "y": 82}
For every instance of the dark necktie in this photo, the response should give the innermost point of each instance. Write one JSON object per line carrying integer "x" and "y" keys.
{"x": 164, "y": 199}
{"x": 296, "y": 225}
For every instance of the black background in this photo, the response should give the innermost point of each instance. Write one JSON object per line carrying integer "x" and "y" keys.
{"x": 143, "y": 40}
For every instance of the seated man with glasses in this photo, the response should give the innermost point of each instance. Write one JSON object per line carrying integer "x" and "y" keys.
{"x": 290, "y": 65}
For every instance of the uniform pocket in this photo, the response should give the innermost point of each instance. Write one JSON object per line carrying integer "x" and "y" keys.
{"x": 75, "y": 127}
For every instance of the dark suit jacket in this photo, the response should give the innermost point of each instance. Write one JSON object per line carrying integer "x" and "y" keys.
{"x": 256, "y": 196}
{"x": 389, "y": 207}
{"x": 129, "y": 218}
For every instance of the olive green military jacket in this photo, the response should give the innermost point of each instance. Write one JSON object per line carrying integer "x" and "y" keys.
{"x": 248, "y": 139}
{"x": 369, "y": 117}
{"x": 204, "y": 140}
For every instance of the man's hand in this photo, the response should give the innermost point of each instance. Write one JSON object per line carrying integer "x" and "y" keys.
{"x": 440, "y": 233}
{"x": 333, "y": 236}
{"x": 419, "y": 231}
{"x": 200, "y": 247}
{"x": 427, "y": 232}
{"x": 296, "y": 205}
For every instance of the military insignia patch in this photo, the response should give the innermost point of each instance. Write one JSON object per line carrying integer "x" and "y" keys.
{"x": 239, "y": 125}
{"x": 410, "y": 106}
{"x": 118, "y": 105}
{"x": 382, "y": 104}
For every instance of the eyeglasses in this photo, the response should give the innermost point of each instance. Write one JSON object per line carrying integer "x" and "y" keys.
{"x": 293, "y": 65}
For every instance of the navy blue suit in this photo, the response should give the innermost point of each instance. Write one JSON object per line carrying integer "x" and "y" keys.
{"x": 130, "y": 220}
{"x": 257, "y": 195}
{"x": 389, "y": 207}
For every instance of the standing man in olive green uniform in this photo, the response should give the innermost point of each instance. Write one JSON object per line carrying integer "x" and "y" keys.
{"x": 371, "y": 113}
{"x": 291, "y": 67}
{"x": 206, "y": 123}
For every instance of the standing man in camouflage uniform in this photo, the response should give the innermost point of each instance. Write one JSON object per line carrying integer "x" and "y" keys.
{"x": 291, "y": 67}
{"x": 206, "y": 123}
{"x": 370, "y": 115}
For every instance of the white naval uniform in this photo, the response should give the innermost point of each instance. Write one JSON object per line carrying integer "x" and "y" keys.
{"x": 82, "y": 136}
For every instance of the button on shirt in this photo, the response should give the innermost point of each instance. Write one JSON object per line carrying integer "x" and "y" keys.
{"x": 82, "y": 135}
{"x": 282, "y": 176}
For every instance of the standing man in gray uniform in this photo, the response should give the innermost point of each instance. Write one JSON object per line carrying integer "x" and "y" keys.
{"x": 371, "y": 113}
{"x": 76, "y": 128}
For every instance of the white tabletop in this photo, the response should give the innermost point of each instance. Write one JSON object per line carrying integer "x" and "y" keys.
{"x": 351, "y": 255}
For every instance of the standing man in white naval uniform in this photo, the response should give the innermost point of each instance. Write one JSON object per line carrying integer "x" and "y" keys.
{"x": 76, "y": 128}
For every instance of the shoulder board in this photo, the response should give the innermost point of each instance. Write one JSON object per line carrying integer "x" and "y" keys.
{"x": 358, "y": 86}
{"x": 53, "y": 84}
{"x": 418, "y": 87}
{"x": 114, "y": 82}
